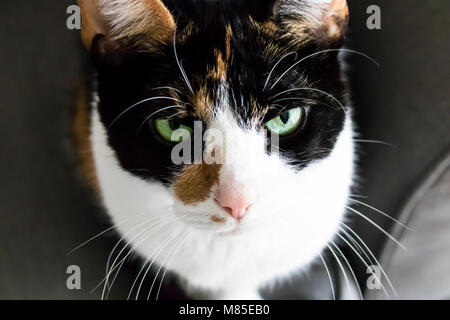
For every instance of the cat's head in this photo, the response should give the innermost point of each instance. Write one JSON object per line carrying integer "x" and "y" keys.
{"x": 256, "y": 85}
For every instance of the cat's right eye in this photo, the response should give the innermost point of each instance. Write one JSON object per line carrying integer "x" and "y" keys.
{"x": 287, "y": 122}
{"x": 172, "y": 130}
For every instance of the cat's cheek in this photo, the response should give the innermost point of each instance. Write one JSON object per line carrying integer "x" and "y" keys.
{"x": 312, "y": 199}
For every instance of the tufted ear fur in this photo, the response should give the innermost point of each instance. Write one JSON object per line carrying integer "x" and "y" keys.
{"x": 324, "y": 20}
{"x": 127, "y": 22}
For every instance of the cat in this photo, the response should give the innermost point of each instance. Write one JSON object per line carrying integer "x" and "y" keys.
{"x": 254, "y": 72}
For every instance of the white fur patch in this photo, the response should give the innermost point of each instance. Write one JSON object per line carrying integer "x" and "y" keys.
{"x": 312, "y": 11}
{"x": 128, "y": 18}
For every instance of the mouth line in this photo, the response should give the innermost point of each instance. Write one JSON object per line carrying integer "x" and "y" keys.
{"x": 233, "y": 232}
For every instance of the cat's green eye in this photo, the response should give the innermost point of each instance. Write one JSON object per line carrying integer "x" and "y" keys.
{"x": 172, "y": 131}
{"x": 286, "y": 122}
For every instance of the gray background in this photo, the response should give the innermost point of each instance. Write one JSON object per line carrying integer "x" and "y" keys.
{"x": 44, "y": 209}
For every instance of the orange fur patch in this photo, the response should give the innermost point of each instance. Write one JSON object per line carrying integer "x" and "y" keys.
{"x": 219, "y": 71}
{"x": 188, "y": 31}
{"x": 91, "y": 23}
{"x": 154, "y": 24}
{"x": 82, "y": 134}
{"x": 330, "y": 28}
{"x": 203, "y": 104}
{"x": 257, "y": 112}
{"x": 194, "y": 184}
{"x": 228, "y": 38}
{"x": 145, "y": 23}
{"x": 218, "y": 219}
{"x": 337, "y": 21}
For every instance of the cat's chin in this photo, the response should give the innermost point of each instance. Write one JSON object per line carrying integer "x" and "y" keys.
{"x": 231, "y": 233}
{"x": 226, "y": 233}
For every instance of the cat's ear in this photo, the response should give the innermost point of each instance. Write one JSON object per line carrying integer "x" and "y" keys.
{"x": 323, "y": 20}
{"x": 126, "y": 22}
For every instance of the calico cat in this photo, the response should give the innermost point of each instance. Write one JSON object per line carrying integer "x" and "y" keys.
{"x": 266, "y": 77}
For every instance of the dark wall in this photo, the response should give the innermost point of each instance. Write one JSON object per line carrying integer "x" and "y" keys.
{"x": 404, "y": 102}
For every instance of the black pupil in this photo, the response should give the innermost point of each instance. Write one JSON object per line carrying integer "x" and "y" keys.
{"x": 284, "y": 117}
{"x": 174, "y": 124}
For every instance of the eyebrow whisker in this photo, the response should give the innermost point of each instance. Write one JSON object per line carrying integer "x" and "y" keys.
{"x": 169, "y": 88}
{"x": 155, "y": 113}
{"x": 139, "y": 103}
{"x": 180, "y": 65}
{"x": 274, "y": 67}
{"x": 314, "y": 90}
{"x": 320, "y": 52}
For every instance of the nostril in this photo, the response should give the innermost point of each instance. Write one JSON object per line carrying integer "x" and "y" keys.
{"x": 227, "y": 209}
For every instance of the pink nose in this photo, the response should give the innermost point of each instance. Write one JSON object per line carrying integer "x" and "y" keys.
{"x": 234, "y": 202}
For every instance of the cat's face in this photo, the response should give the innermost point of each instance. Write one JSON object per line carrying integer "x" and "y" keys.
{"x": 260, "y": 93}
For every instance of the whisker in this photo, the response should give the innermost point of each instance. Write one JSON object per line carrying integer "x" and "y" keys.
{"x": 359, "y": 248}
{"x": 375, "y": 142}
{"x": 301, "y": 99}
{"x": 140, "y": 240}
{"x": 317, "y": 53}
{"x": 167, "y": 269}
{"x": 176, "y": 114}
{"x": 139, "y": 103}
{"x": 156, "y": 254}
{"x": 381, "y": 212}
{"x": 169, "y": 88}
{"x": 370, "y": 252}
{"x": 329, "y": 275}
{"x": 284, "y": 92}
{"x": 350, "y": 268}
{"x": 364, "y": 262}
{"x": 341, "y": 267}
{"x": 180, "y": 66}
{"x": 359, "y": 196}
{"x": 316, "y": 90}
{"x": 106, "y": 276}
{"x": 306, "y": 100}
{"x": 234, "y": 97}
{"x": 133, "y": 248}
{"x": 274, "y": 67}
{"x": 155, "y": 113}
{"x": 244, "y": 106}
{"x": 108, "y": 272}
{"x": 378, "y": 227}
{"x": 105, "y": 231}
{"x": 152, "y": 220}
{"x": 165, "y": 262}
{"x": 116, "y": 246}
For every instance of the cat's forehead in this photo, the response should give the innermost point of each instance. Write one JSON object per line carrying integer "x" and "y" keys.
{"x": 228, "y": 64}
{"x": 233, "y": 36}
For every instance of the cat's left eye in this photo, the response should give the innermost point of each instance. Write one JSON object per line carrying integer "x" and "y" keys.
{"x": 172, "y": 130}
{"x": 286, "y": 122}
